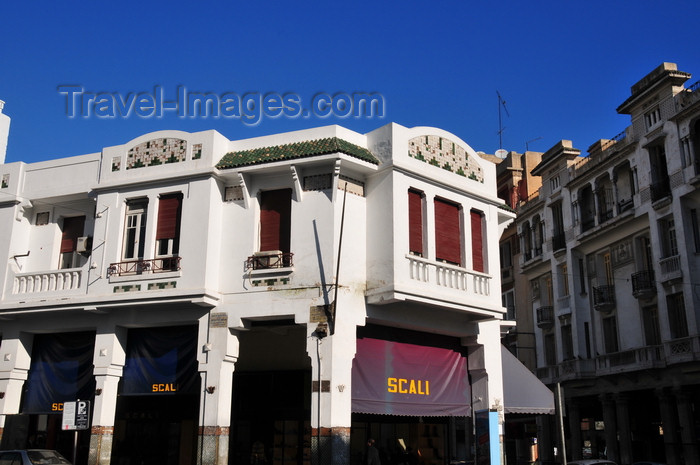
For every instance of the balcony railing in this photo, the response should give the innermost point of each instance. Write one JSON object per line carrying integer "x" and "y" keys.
{"x": 47, "y": 281}
{"x": 624, "y": 205}
{"x": 630, "y": 360}
{"x": 682, "y": 350}
{"x": 643, "y": 284}
{"x": 660, "y": 189}
{"x": 138, "y": 267}
{"x": 604, "y": 298}
{"x": 545, "y": 317}
{"x": 575, "y": 369}
{"x": 670, "y": 268}
{"x": 269, "y": 260}
{"x": 448, "y": 276}
{"x": 558, "y": 241}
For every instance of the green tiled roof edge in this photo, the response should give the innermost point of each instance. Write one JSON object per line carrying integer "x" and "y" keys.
{"x": 295, "y": 150}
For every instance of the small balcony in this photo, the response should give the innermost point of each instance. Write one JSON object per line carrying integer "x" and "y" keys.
{"x": 605, "y": 215}
{"x": 604, "y": 298}
{"x": 545, "y": 317}
{"x": 643, "y": 358}
{"x": 682, "y": 350}
{"x": 144, "y": 267}
{"x": 670, "y": 268}
{"x": 643, "y": 284}
{"x": 43, "y": 282}
{"x": 269, "y": 260}
{"x": 449, "y": 277}
{"x": 660, "y": 189}
{"x": 558, "y": 241}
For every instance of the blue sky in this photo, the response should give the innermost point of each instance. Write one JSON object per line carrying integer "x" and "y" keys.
{"x": 561, "y": 66}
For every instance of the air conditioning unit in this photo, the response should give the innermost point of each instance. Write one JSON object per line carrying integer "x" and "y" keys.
{"x": 83, "y": 245}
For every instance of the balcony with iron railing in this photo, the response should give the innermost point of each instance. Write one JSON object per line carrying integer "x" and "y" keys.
{"x": 144, "y": 267}
{"x": 269, "y": 260}
{"x": 604, "y": 298}
{"x": 660, "y": 189}
{"x": 558, "y": 241}
{"x": 545, "y": 317}
{"x": 643, "y": 284}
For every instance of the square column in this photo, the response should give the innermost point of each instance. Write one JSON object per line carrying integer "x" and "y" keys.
{"x": 669, "y": 421}
{"x": 486, "y": 372}
{"x": 109, "y": 359}
{"x": 610, "y": 421}
{"x": 15, "y": 360}
{"x": 219, "y": 352}
{"x": 687, "y": 424}
{"x": 331, "y": 393}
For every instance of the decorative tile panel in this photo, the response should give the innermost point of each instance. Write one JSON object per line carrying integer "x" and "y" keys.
{"x": 196, "y": 151}
{"x": 116, "y": 163}
{"x": 164, "y": 285}
{"x": 445, "y": 154}
{"x": 269, "y": 282}
{"x": 156, "y": 152}
{"x": 318, "y": 182}
{"x": 127, "y": 288}
{"x": 5, "y": 181}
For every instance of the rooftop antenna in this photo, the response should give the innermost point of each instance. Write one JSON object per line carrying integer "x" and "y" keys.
{"x": 527, "y": 143}
{"x": 501, "y": 103}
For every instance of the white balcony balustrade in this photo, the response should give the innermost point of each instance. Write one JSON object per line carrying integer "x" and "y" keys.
{"x": 47, "y": 281}
{"x": 448, "y": 276}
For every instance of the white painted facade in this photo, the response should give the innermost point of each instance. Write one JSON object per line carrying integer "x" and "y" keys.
{"x": 236, "y": 309}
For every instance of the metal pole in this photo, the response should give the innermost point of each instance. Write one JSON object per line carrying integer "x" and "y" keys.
{"x": 561, "y": 424}
{"x": 337, "y": 269}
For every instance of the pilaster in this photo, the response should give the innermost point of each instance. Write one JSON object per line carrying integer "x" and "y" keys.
{"x": 219, "y": 352}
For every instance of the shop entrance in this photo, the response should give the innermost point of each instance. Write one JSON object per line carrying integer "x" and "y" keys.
{"x": 411, "y": 440}
{"x": 271, "y": 407}
{"x": 157, "y": 413}
{"x": 156, "y": 430}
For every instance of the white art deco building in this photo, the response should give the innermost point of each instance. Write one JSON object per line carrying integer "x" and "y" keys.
{"x": 283, "y": 297}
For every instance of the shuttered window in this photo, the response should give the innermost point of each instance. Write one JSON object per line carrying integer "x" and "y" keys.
{"x": 275, "y": 220}
{"x": 415, "y": 222}
{"x": 169, "y": 207}
{"x": 448, "y": 243}
{"x": 168, "y": 226}
{"x": 477, "y": 221}
{"x": 73, "y": 228}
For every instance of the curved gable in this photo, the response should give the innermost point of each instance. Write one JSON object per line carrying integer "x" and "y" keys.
{"x": 444, "y": 153}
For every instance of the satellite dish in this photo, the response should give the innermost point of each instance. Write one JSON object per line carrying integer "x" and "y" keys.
{"x": 501, "y": 153}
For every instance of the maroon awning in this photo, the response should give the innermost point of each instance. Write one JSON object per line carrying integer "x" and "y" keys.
{"x": 394, "y": 378}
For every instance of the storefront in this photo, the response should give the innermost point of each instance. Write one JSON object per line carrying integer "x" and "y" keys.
{"x": 158, "y": 404}
{"x": 410, "y": 393}
{"x": 60, "y": 371}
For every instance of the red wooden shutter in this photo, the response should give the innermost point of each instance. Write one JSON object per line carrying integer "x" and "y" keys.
{"x": 522, "y": 189}
{"x": 448, "y": 243}
{"x": 415, "y": 222}
{"x": 477, "y": 241}
{"x": 275, "y": 220}
{"x": 168, "y": 216}
{"x": 72, "y": 229}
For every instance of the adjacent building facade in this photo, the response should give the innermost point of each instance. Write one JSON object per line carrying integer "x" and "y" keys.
{"x": 609, "y": 248}
{"x": 282, "y": 297}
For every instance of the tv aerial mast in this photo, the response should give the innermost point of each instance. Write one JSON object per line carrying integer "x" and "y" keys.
{"x": 501, "y": 103}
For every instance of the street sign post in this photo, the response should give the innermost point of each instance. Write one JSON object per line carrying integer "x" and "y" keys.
{"x": 76, "y": 415}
